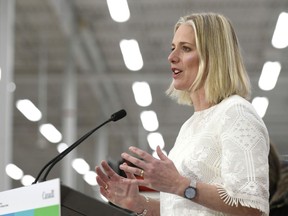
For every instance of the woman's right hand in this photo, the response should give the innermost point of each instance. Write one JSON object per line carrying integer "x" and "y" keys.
{"x": 123, "y": 192}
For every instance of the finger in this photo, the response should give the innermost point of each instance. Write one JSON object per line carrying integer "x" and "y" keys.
{"x": 131, "y": 170}
{"x": 134, "y": 180}
{"x": 142, "y": 154}
{"x": 102, "y": 185}
{"x": 108, "y": 170}
{"x": 136, "y": 161}
{"x": 101, "y": 174}
{"x": 104, "y": 193}
{"x": 100, "y": 182}
{"x": 130, "y": 175}
{"x": 160, "y": 154}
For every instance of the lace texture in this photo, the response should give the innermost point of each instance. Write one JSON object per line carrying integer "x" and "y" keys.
{"x": 227, "y": 146}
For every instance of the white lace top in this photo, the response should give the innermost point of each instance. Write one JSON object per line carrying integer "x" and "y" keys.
{"x": 226, "y": 145}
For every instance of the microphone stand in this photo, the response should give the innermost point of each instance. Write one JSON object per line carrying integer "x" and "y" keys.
{"x": 114, "y": 117}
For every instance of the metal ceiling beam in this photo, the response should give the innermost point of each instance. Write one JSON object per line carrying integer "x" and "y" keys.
{"x": 66, "y": 17}
{"x": 126, "y": 78}
{"x": 105, "y": 93}
{"x": 86, "y": 48}
{"x": 7, "y": 15}
{"x": 98, "y": 63}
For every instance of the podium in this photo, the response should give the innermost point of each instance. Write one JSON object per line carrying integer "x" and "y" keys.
{"x": 74, "y": 203}
{"x": 51, "y": 198}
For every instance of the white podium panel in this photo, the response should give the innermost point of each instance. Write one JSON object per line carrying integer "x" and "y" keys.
{"x": 42, "y": 199}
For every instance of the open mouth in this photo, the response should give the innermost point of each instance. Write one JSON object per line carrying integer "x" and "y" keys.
{"x": 176, "y": 71}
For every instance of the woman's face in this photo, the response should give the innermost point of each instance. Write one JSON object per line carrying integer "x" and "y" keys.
{"x": 184, "y": 57}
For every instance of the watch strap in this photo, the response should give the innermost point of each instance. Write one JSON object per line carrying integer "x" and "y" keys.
{"x": 193, "y": 183}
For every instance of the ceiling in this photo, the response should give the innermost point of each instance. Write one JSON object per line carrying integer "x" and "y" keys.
{"x": 54, "y": 39}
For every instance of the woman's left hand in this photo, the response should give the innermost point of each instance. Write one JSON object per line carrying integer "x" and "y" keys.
{"x": 158, "y": 174}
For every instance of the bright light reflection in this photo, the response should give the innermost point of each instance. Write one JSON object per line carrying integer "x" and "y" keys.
{"x": 260, "y": 104}
{"x": 269, "y": 75}
{"x": 27, "y": 180}
{"x": 119, "y": 10}
{"x": 62, "y": 147}
{"x": 131, "y": 54}
{"x": 29, "y": 110}
{"x": 142, "y": 93}
{"x": 14, "y": 172}
{"x": 50, "y": 133}
{"x": 80, "y": 165}
{"x": 154, "y": 140}
{"x": 0, "y": 73}
{"x": 280, "y": 35}
{"x": 149, "y": 120}
{"x": 104, "y": 198}
{"x": 90, "y": 178}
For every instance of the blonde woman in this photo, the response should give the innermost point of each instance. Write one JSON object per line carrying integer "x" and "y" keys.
{"x": 219, "y": 162}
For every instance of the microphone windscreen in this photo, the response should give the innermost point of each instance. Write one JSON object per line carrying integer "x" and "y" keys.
{"x": 118, "y": 115}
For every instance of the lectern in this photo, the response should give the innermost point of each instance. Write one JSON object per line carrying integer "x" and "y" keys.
{"x": 51, "y": 198}
{"x": 74, "y": 203}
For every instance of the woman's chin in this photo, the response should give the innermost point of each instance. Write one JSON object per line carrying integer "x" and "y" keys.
{"x": 178, "y": 87}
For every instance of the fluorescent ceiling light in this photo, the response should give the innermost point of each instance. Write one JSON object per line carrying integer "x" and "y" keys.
{"x": 142, "y": 93}
{"x": 27, "y": 180}
{"x": 90, "y": 178}
{"x": 14, "y": 172}
{"x": 62, "y": 147}
{"x": 260, "y": 104}
{"x": 119, "y": 10}
{"x": 50, "y": 133}
{"x": 269, "y": 75}
{"x": 280, "y": 35}
{"x": 149, "y": 120}
{"x": 155, "y": 139}
{"x": 80, "y": 165}
{"x": 29, "y": 110}
{"x": 131, "y": 54}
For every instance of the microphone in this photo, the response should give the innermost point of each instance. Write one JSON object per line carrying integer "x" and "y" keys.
{"x": 118, "y": 115}
{"x": 114, "y": 117}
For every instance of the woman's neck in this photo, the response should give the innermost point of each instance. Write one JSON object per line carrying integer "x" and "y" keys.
{"x": 199, "y": 100}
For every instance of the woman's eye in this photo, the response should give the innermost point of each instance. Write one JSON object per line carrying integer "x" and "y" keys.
{"x": 186, "y": 49}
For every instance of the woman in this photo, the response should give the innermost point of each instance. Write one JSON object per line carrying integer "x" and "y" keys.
{"x": 219, "y": 162}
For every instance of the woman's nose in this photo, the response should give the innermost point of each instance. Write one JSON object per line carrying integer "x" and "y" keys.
{"x": 173, "y": 57}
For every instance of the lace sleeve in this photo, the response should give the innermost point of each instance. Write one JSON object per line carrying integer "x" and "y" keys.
{"x": 245, "y": 148}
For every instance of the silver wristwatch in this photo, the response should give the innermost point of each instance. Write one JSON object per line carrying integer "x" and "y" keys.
{"x": 190, "y": 192}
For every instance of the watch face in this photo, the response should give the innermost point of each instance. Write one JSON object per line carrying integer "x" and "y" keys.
{"x": 190, "y": 193}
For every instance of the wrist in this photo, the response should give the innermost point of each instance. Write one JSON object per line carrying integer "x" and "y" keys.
{"x": 190, "y": 192}
{"x": 182, "y": 185}
{"x": 142, "y": 211}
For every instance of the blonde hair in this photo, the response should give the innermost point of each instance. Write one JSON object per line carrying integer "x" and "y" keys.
{"x": 221, "y": 69}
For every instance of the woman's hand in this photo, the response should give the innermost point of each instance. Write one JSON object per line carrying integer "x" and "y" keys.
{"x": 160, "y": 175}
{"x": 123, "y": 192}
